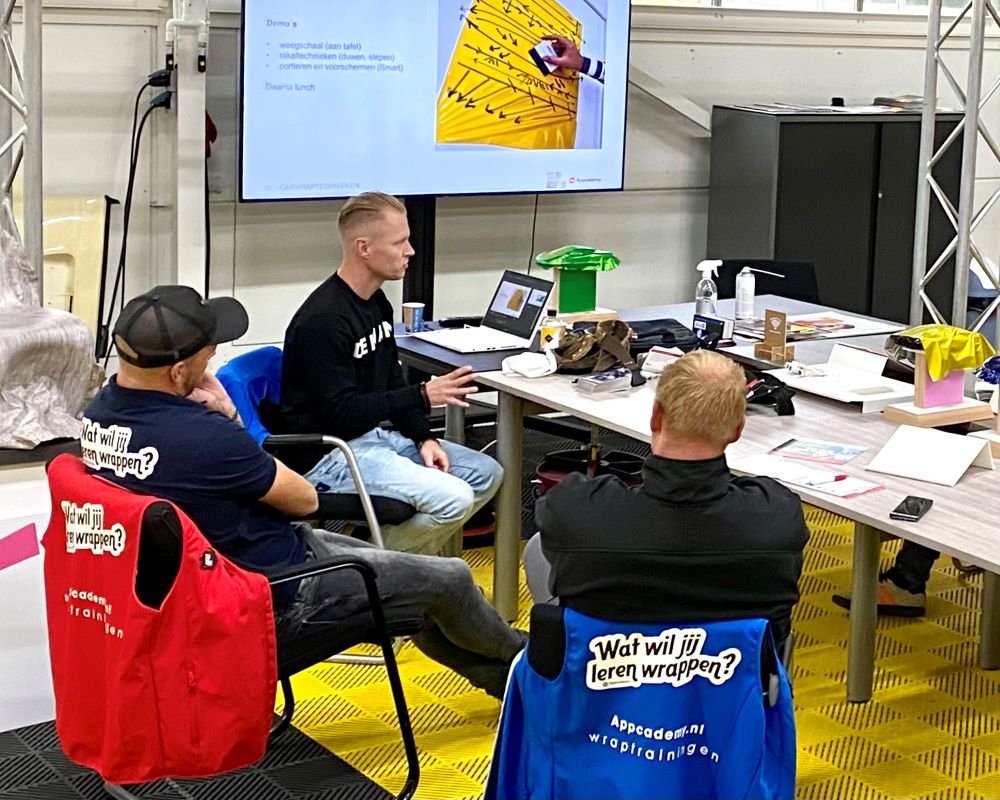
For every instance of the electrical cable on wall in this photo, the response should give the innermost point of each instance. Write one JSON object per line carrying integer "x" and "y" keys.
{"x": 162, "y": 100}
{"x": 211, "y": 134}
{"x": 159, "y": 79}
{"x": 534, "y": 225}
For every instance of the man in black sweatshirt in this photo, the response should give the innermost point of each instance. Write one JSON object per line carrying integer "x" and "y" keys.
{"x": 341, "y": 376}
{"x": 692, "y": 544}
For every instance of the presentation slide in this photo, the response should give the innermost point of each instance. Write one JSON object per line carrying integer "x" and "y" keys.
{"x": 430, "y": 97}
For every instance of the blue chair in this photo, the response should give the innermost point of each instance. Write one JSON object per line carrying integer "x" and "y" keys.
{"x": 255, "y": 377}
{"x": 620, "y": 710}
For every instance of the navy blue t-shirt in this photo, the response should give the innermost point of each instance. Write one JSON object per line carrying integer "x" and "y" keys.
{"x": 173, "y": 448}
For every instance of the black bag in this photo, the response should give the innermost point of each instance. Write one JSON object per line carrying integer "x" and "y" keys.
{"x": 764, "y": 389}
{"x": 662, "y": 333}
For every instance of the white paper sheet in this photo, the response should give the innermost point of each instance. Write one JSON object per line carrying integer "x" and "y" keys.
{"x": 850, "y": 376}
{"x": 798, "y": 474}
{"x": 856, "y": 358}
{"x": 927, "y": 454}
{"x": 848, "y": 325}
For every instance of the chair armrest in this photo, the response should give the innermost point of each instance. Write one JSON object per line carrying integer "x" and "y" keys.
{"x": 321, "y": 566}
{"x": 333, "y": 564}
{"x": 349, "y": 506}
{"x": 352, "y": 465}
{"x": 275, "y": 440}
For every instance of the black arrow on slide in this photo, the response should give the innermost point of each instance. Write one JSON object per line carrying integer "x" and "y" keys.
{"x": 458, "y": 83}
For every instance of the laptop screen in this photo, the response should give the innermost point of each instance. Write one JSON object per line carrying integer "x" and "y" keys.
{"x": 518, "y": 305}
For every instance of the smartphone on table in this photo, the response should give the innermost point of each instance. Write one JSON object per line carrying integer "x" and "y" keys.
{"x": 911, "y": 509}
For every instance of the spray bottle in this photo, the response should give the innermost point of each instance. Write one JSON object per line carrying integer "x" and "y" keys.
{"x": 706, "y": 293}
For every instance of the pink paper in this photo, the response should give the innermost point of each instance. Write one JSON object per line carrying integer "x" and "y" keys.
{"x": 948, "y": 391}
{"x": 18, "y": 546}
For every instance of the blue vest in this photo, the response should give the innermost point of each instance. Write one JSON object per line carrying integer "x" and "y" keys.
{"x": 643, "y": 711}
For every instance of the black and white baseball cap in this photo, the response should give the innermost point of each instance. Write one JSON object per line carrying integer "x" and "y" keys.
{"x": 171, "y": 323}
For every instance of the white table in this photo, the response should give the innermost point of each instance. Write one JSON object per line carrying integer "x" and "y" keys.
{"x": 948, "y": 527}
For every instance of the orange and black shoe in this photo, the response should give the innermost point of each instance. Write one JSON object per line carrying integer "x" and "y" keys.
{"x": 892, "y": 600}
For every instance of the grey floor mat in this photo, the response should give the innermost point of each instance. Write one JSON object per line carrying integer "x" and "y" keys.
{"x": 33, "y": 767}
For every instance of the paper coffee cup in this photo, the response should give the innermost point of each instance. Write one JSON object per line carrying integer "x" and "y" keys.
{"x": 551, "y": 333}
{"x": 413, "y": 317}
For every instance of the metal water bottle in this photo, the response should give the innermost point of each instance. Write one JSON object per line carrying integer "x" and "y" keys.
{"x": 745, "y": 287}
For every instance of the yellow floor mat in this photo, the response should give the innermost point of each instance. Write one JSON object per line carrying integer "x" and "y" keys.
{"x": 931, "y": 730}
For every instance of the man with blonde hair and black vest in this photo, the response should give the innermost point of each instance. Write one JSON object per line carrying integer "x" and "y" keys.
{"x": 692, "y": 543}
{"x": 341, "y": 376}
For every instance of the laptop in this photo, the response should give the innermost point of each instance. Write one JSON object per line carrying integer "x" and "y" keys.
{"x": 510, "y": 321}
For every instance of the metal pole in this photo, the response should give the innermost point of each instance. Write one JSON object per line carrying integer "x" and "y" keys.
{"x": 32, "y": 218}
{"x": 507, "y": 552}
{"x": 190, "y": 114}
{"x": 861, "y": 639}
{"x": 989, "y": 630}
{"x": 966, "y": 194}
{"x": 927, "y": 123}
{"x": 5, "y": 80}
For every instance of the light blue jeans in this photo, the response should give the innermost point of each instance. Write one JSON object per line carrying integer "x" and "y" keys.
{"x": 391, "y": 466}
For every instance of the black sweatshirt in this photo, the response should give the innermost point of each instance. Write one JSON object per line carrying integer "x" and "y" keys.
{"x": 340, "y": 371}
{"x": 693, "y": 543}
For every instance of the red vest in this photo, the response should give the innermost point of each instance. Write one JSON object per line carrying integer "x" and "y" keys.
{"x": 186, "y": 690}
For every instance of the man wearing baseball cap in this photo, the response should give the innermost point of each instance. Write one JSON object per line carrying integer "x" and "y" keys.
{"x": 164, "y": 426}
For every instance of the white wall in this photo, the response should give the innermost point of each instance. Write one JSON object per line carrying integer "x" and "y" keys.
{"x": 270, "y": 255}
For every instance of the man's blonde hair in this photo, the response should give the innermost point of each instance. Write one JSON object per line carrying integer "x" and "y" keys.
{"x": 704, "y": 397}
{"x": 364, "y": 209}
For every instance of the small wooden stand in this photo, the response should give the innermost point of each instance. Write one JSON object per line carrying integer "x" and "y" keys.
{"x": 775, "y": 346}
{"x": 927, "y": 409}
{"x": 911, "y": 414}
{"x": 779, "y": 355}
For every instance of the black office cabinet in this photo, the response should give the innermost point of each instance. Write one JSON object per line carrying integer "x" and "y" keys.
{"x": 836, "y": 190}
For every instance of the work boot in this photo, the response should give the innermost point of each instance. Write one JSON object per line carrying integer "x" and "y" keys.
{"x": 892, "y": 599}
